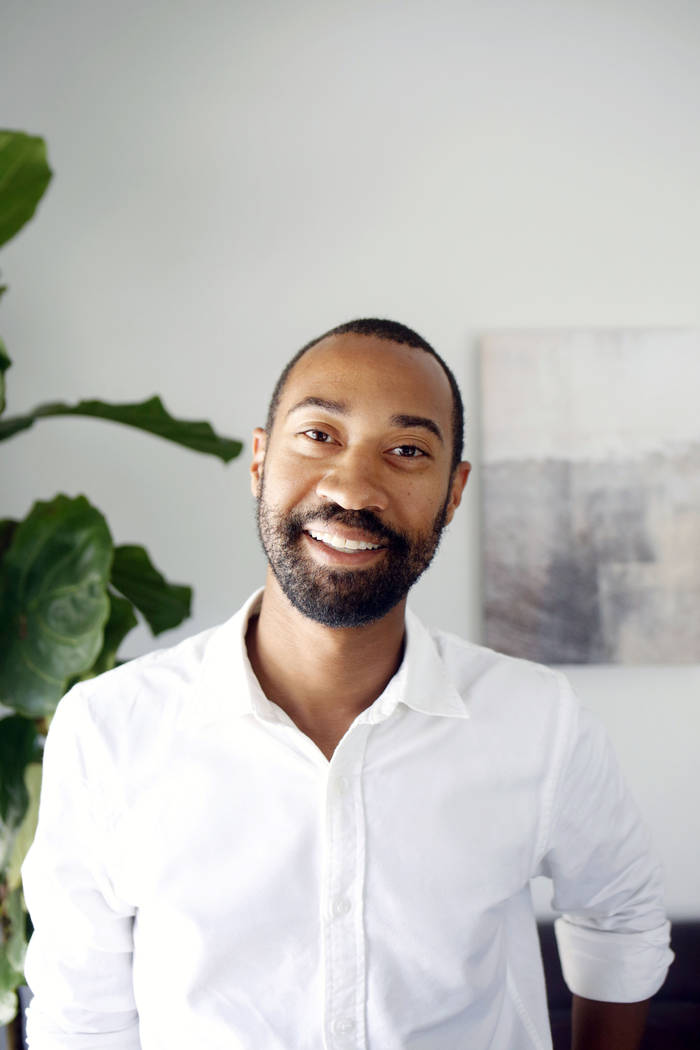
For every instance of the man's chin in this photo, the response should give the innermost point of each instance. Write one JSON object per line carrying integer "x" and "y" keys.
{"x": 341, "y": 598}
{"x": 347, "y": 594}
{"x": 339, "y": 617}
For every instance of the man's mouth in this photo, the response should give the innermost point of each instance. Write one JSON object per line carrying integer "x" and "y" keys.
{"x": 340, "y": 543}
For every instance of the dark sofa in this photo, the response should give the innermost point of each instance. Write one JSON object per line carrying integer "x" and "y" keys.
{"x": 674, "y": 1015}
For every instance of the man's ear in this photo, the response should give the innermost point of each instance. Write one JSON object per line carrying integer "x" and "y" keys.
{"x": 256, "y": 465}
{"x": 457, "y": 484}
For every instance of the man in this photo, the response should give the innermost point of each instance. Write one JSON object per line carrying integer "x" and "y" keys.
{"x": 315, "y": 826}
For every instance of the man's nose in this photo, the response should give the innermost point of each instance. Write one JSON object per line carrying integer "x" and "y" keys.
{"x": 353, "y": 481}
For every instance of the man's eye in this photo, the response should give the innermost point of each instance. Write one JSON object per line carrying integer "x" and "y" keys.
{"x": 317, "y": 435}
{"x": 407, "y": 451}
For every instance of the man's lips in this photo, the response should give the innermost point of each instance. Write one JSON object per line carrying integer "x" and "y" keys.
{"x": 344, "y": 542}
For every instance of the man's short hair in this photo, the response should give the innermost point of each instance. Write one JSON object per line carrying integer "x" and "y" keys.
{"x": 393, "y": 332}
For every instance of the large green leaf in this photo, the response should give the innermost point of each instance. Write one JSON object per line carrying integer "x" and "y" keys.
{"x": 10, "y": 427}
{"x": 4, "y": 365}
{"x": 9, "y": 980}
{"x": 150, "y": 415}
{"x": 8, "y": 527}
{"x": 122, "y": 619}
{"x": 27, "y": 829}
{"x": 24, "y": 176}
{"x": 17, "y": 942}
{"x": 18, "y": 747}
{"x": 164, "y": 604}
{"x": 53, "y": 602}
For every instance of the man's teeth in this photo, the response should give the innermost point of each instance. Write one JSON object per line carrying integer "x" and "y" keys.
{"x": 341, "y": 544}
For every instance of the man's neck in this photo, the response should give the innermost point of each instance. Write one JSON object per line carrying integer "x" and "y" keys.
{"x": 323, "y": 677}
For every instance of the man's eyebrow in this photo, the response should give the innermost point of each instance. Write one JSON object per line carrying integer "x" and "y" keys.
{"x": 418, "y": 421}
{"x": 339, "y": 407}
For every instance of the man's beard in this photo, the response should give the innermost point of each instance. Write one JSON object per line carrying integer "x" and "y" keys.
{"x": 344, "y": 597}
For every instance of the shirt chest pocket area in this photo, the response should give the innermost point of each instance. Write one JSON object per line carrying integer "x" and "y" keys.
{"x": 473, "y": 843}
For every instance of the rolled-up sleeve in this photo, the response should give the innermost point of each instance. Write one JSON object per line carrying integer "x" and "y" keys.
{"x": 612, "y": 932}
{"x": 79, "y": 960}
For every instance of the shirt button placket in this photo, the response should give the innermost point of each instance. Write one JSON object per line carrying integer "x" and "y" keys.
{"x": 343, "y": 932}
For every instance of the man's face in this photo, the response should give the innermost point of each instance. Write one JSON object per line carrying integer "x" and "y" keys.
{"x": 353, "y": 484}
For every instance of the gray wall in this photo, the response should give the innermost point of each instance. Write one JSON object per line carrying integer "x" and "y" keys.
{"x": 233, "y": 178}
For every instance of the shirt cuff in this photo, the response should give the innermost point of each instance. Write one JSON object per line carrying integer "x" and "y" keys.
{"x": 43, "y": 1034}
{"x": 611, "y": 966}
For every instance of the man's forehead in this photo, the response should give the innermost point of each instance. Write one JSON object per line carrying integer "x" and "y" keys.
{"x": 341, "y": 366}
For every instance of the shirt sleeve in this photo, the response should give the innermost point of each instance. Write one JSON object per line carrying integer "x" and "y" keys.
{"x": 612, "y": 933}
{"x": 79, "y": 960}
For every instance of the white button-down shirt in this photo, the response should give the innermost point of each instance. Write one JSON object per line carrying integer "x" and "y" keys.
{"x": 203, "y": 876}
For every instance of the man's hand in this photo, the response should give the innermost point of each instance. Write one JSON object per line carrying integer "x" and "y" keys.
{"x": 607, "y": 1026}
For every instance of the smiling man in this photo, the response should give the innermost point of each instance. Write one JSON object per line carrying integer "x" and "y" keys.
{"x": 315, "y": 826}
{"x": 356, "y": 474}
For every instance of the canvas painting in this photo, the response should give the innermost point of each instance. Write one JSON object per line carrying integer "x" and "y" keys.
{"x": 591, "y": 476}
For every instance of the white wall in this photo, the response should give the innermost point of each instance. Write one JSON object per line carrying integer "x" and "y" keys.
{"x": 234, "y": 177}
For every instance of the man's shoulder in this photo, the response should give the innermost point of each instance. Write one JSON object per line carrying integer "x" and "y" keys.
{"x": 180, "y": 662}
{"x": 152, "y": 690}
{"x": 485, "y": 676}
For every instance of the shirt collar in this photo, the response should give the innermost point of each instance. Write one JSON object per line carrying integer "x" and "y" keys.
{"x": 228, "y": 684}
{"x": 422, "y": 682}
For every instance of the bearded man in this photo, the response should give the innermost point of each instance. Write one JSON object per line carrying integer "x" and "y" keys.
{"x": 315, "y": 826}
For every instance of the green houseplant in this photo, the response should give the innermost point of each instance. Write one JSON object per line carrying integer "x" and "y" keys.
{"x": 68, "y": 595}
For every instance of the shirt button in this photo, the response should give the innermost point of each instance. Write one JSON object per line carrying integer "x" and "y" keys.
{"x": 341, "y": 906}
{"x": 343, "y": 1026}
{"x": 342, "y": 785}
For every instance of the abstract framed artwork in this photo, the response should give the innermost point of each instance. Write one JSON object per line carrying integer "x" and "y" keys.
{"x": 591, "y": 481}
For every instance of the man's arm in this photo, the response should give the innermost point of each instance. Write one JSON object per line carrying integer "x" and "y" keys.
{"x": 604, "y": 1026}
{"x": 79, "y": 958}
{"x": 612, "y": 932}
